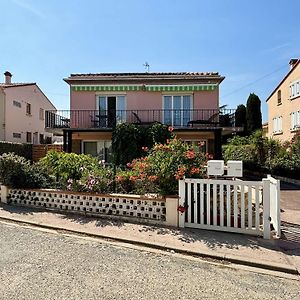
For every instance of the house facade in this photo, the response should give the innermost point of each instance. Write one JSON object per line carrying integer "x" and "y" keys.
{"x": 284, "y": 105}
{"x": 22, "y": 112}
{"x": 189, "y": 102}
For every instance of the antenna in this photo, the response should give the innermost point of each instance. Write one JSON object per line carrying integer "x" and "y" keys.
{"x": 147, "y": 66}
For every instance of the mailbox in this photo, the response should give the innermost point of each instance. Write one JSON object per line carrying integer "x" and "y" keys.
{"x": 215, "y": 167}
{"x": 235, "y": 168}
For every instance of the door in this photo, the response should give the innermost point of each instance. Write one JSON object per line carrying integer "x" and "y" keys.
{"x": 111, "y": 110}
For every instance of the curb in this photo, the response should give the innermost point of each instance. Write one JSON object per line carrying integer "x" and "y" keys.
{"x": 203, "y": 254}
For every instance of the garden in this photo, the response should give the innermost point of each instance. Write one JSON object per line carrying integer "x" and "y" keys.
{"x": 145, "y": 160}
{"x": 265, "y": 155}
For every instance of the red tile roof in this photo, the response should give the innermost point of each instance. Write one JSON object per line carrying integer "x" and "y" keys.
{"x": 5, "y": 85}
{"x": 296, "y": 63}
{"x": 145, "y": 76}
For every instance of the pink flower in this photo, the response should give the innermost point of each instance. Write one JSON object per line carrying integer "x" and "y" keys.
{"x": 170, "y": 128}
{"x": 145, "y": 149}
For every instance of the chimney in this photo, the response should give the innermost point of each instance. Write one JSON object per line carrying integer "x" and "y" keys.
{"x": 292, "y": 63}
{"x": 7, "y": 77}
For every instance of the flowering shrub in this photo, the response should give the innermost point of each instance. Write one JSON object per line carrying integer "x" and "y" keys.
{"x": 160, "y": 171}
{"x": 100, "y": 179}
{"x": 67, "y": 166}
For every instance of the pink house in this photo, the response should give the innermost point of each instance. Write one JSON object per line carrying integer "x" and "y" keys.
{"x": 187, "y": 101}
{"x": 22, "y": 112}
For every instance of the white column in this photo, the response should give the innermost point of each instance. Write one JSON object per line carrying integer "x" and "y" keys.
{"x": 181, "y": 215}
{"x": 171, "y": 211}
{"x": 4, "y": 193}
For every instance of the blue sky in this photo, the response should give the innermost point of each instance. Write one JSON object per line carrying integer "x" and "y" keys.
{"x": 249, "y": 42}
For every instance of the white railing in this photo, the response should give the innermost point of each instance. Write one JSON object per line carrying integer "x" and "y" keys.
{"x": 226, "y": 205}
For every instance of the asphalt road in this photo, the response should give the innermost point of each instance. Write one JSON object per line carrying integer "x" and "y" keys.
{"x": 45, "y": 265}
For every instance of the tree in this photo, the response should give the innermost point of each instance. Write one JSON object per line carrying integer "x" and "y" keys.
{"x": 240, "y": 117}
{"x": 253, "y": 113}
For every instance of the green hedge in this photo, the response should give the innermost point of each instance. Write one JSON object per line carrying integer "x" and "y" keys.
{"x": 24, "y": 150}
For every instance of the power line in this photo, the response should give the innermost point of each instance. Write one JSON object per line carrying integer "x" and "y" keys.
{"x": 255, "y": 81}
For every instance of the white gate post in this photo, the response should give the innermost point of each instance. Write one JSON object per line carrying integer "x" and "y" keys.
{"x": 4, "y": 193}
{"x": 266, "y": 208}
{"x": 181, "y": 215}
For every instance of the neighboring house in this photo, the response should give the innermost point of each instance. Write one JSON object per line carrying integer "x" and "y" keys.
{"x": 284, "y": 105}
{"x": 22, "y": 112}
{"x": 265, "y": 129}
{"x": 187, "y": 101}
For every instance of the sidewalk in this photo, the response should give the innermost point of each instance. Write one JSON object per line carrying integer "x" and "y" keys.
{"x": 235, "y": 248}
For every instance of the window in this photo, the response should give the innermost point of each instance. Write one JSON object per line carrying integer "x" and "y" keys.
{"x": 279, "y": 97}
{"x": 17, "y": 135}
{"x": 41, "y": 138}
{"x": 177, "y": 109}
{"x": 28, "y": 137}
{"x": 112, "y": 110}
{"x": 100, "y": 149}
{"x": 295, "y": 89}
{"x": 277, "y": 125}
{"x": 295, "y": 120}
{"x": 28, "y": 108}
{"x": 42, "y": 115}
{"x": 17, "y": 103}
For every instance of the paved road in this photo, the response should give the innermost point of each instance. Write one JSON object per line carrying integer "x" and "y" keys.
{"x": 44, "y": 265}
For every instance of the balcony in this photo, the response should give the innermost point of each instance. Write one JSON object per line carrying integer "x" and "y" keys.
{"x": 108, "y": 119}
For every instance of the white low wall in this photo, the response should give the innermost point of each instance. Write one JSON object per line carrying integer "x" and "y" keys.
{"x": 129, "y": 207}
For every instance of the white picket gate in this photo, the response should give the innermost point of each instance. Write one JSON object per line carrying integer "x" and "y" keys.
{"x": 227, "y": 205}
{"x": 275, "y": 204}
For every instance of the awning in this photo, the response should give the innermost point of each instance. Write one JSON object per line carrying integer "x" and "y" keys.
{"x": 149, "y": 88}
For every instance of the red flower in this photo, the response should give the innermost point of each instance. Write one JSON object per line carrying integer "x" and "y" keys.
{"x": 132, "y": 178}
{"x": 129, "y": 165}
{"x": 190, "y": 154}
{"x": 152, "y": 178}
{"x": 195, "y": 170}
{"x": 120, "y": 178}
{"x": 170, "y": 128}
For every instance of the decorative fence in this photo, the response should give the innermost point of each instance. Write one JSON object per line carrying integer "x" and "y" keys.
{"x": 230, "y": 205}
{"x": 249, "y": 207}
{"x": 134, "y": 207}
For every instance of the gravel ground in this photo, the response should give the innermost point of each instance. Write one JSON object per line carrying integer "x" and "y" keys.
{"x": 44, "y": 265}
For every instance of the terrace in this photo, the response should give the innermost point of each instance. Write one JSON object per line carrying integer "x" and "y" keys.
{"x": 108, "y": 119}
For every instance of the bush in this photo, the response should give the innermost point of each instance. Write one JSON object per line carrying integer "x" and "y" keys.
{"x": 67, "y": 166}
{"x": 24, "y": 150}
{"x": 17, "y": 172}
{"x": 160, "y": 171}
{"x": 128, "y": 140}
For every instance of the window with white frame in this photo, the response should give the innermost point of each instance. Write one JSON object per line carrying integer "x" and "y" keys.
{"x": 177, "y": 109}
{"x": 295, "y": 89}
{"x": 111, "y": 109}
{"x": 277, "y": 125}
{"x": 100, "y": 149}
{"x": 295, "y": 120}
